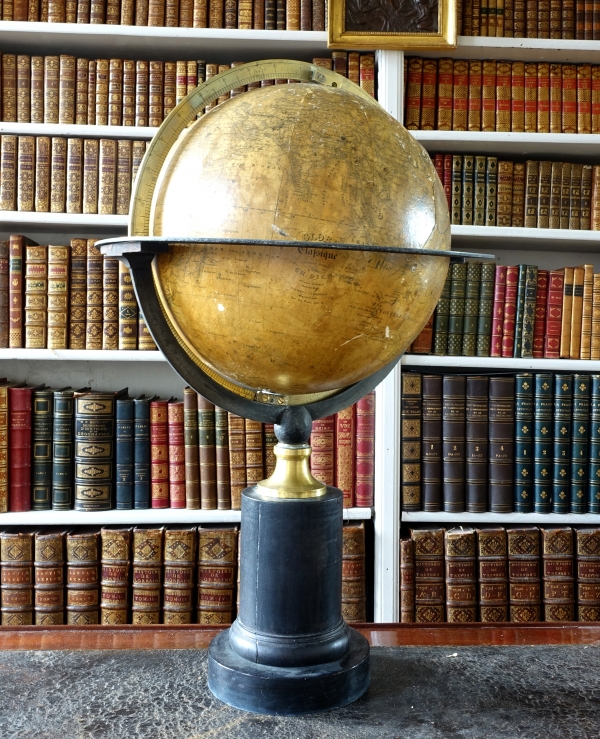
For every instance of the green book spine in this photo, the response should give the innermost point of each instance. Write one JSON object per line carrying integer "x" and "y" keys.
{"x": 62, "y": 451}
{"x": 561, "y": 476}
{"x": 467, "y": 191}
{"x": 531, "y": 275}
{"x": 457, "y": 309}
{"x": 411, "y": 410}
{"x": 519, "y": 310}
{"x": 222, "y": 457}
{"x": 471, "y": 309}
{"x": 524, "y": 442}
{"x": 442, "y": 312}
{"x": 594, "y": 468}
{"x": 479, "y": 192}
{"x": 580, "y": 443}
{"x": 542, "y": 443}
{"x": 456, "y": 189}
{"x": 43, "y": 411}
{"x": 486, "y": 309}
{"x": 94, "y": 451}
{"x": 491, "y": 190}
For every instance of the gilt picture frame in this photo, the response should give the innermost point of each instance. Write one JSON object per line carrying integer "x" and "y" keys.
{"x": 392, "y": 24}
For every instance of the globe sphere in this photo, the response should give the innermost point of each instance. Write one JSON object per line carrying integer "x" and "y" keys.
{"x": 298, "y": 162}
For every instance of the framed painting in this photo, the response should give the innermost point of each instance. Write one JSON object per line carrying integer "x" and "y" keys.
{"x": 392, "y": 24}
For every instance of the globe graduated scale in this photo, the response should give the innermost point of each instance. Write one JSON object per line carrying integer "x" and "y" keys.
{"x": 285, "y": 249}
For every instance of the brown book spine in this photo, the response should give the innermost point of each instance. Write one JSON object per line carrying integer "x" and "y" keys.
{"x": 110, "y": 304}
{"x": 170, "y": 88}
{"x": 91, "y": 115}
{"x": 23, "y": 89}
{"x": 519, "y": 19}
{"x": 488, "y": 96}
{"x": 558, "y": 574}
{"x": 90, "y": 175}
{"x": 16, "y": 554}
{"x": 83, "y": 11}
{"x": 107, "y": 176}
{"x": 460, "y": 95}
{"x": 15, "y": 291}
{"x": 255, "y": 469}
{"x": 475, "y": 82}
{"x": 237, "y": 459}
{"x": 503, "y": 96}
{"x": 36, "y": 296}
{"x": 531, "y": 91}
{"x": 445, "y": 94}
{"x": 182, "y": 80}
{"x": 461, "y": 579}
{"x": 200, "y": 14}
{"x": 413, "y": 94}
{"x": 102, "y": 80}
{"x": 543, "y": 195}
{"x": 531, "y": 194}
{"x": 353, "y": 573}
{"x": 141, "y": 13}
{"x": 128, "y": 110}
{"x": 186, "y": 13}
{"x": 222, "y": 459}
{"x": 587, "y": 549}
{"x": 569, "y": 98}
{"x": 94, "y": 297}
{"x": 123, "y": 184}
{"x": 517, "y": 113}
{"x": 78, "y": 295}
{"x": 596, "y": 94}
{"x": 81, "y": 91}
{"x": 56, "y": 11}
{"x": 147, "y": 575}
{"x": 8, "y": 172}
{"x": 505, "y": 193}
{"x": 586, "y": 315}
{"x": 83, "y": 578}
{"x": 192, "y": 465}
{"x": 128, "y": 311}
{"x": 145, "y": 340}
{"x": 556, "y": 98}
{"x": 155, "y": 93}
{"x": 179, "y": 572}
{"x": 543, "y": 97}
{"x": 518, "y": 195}
{"x": 98, "y": 11}
{"x": 26, "y": 170}
{"x": 141, "y": 93}
{"x": 585, "y": 211}
{"x": 115, "y": 92}
{"x": 42, "y": 174}
{"x": 555, "y": 195}
{"x": 217, "y": 565}
{"x": 49, "y": 564}
{"x": 493, "y": 575}
{"x": 576, "y": 313}
{"x": 501, "y": 443}
{"x": 66, "y": 97}
{"x": 58, "y": 175}
{"x": 138, "y": 149}
{"x": 114, "y": 583}
{"x": 172, "y": 14}
{"x": 209, "y": 498}
{"x": 4, "y": 307}
{"x": 113, "y": 12}
{"x": 565, "y": 195}
{"x": 584, "y": 98}
{"x": 575, "y": 197}
{"x": 430, "y": 591}
{"x": 524, "y": 574}
{"x": 531, "y": 19}
{"x": 176, "y": 454}
{"x": 9, "y": 87}
{"x": 58, "y": 297}
{"x": 51, "y": 89}
{"x": 37, "y": 89}
{"x": 156, "y": 12}
{"x": 74, "y": 175}
{"x": 567, "y": 307}
{"x": 407, "y": 581}
{"x": 8, "y": 10}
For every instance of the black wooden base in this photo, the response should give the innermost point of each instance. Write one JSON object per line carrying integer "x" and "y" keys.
{"x": 287, "y": 691}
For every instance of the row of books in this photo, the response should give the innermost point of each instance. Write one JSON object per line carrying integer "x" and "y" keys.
{"x": 517, "y": 311}
{"x": 490, "y": 95}
{"x": 271, "y": 15}
{"x": 524, "y": 443}
{"x": 145, "y": 575}
{"x": 93, "y": 451}
{"x": 553, "y": 19}
{"x": 55, "y": 174}
{"x": 122, "y": 92}
{"x": 67, "y": 297}
{"x": 496, "y": 575}
{"x": 482, "y": 191}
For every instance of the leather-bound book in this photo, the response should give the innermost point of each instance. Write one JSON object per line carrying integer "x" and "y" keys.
{"x": 413, "y": 93}
{"x": 454, "y": 441}
{"x": 558, "y": 574}
{"x": 542, "y": 446}
{"x": 531, "y": 194}
{"x": 353, "y": 573}
{"x": 431, "y": 444}
{"x": 292, "y": 15}
{"x": 141, "y": 13}
{"x": 541, "y": 302}
{"x": 255, "y": 470}
{"x": 186, "y": 14}
{"x": 531, "y": 98}
{"x": 476, "y": 468}
{"x": 155, "y": 93}
{"x": 81, "y": 91}
{"x": 37, "y": 89}
{"x": 94, "y": 450}
{"x": 172, "y": 14}
{"x": 500, "y": 18}
{"x": 447, "y": 181}
{"x": 466, "y": 205}
{"x": 141, "y": 92}
{"x": 365, "y": 450}
{"x": 587, "y": 553}
{"x": 567, "y": 310}
{"x": 483, "y": 17}
{"x": 107, "y": 167}
{"x": 586, "y": 314}
{"x": 62, "y": 449}
{"x": 428, "y": 94}
{"x": 576, "y": 312}
{"x": 182, "y": 80}
{"x": 26, "y": 174}
{"x": 16, "y": 592}
{"x": 555, "y": 195}
{"x": 345, "y": 442}
{"x": 367, "y": 73}
{"x": 114, "y": 584}
{"x": 129, "y": 89}
{"x": 555, "y": 19}
{"x": 128, "y": 311}
{"x": 115, "y": 92}
{"x": 554, "y": 309}
{"x": 49, "y": 562}
{"x": 94, "y": 297}
{"x": 23, "y": 89}
{"x": 457, "y": 308}
{"x": 223, "y": 474}
{"x": 445, "y": 94}
{"x": 216, "y": 12}
{"x": 575, "y": 197}
{"x": 169, "y": 88}
{"x": 492, "y": 575}
{"x": 78, "y": 294}
{"x": 596, "y": 91}
{"x": 524, "y": 339}
{"x": 83, "y": 11}
{"x": 456, "y": 209}
{"x": 407, "y": 581}
{"x": 98, "y": 11}
{"x": 563, "y": 409}
{"x": 141, "y": 452}
{"x": 503, "y": 96}
{"x": 318, "y": 15}
{"x": 474, "y": 104}
{"x": 179, "y": 574}
{"x": 17, "y": 246}
{"x": 505, "y": 194}
{"x": 217, "y": 563}
{"x": 501, "y": 443}
{"x": 145, "y": 340}
{"x": 498, "y": 311}
{"x": 110, "y": 304}
{"x": 460, "y": 95}
{"x": 90, "y": 175}
{"x": 58, "y": 173}
{"x": 491, "y": 190}
{"x": 580, "y": 443}
{"x": 176, "y": 454}
{"x": 424, "y": 341}
{"x": 74, "y": 188}
{"x": 42, "y": 434}
{"x": 518, "y": 195}
{"x": 270, "y": 440}
{"x": 147, "y": 575}
{"x": 579, "y": 19}
{"x": 51, "y": 89}
{"x": 322, "y": 459}
{"x": 102, "y": 80}
{"x": 461, "y": 575}
{"x": 569, "y": 98}
{"x": 565, "y": 195}
{"x": 83, "y": 577}
{"x": 524, "y": 419}
{"x": 411, "y": 440}
{"x": 441, "y": 319}
{"x": 593, "y": 498}
{"x": 237, "y": 456}
{"x": 513, "y": 310}
{"x": 36, "y": 296}
{"x": 430, "y": 590}
{"x": 595, "y": 22}
{"x": 9, "y": 87}
{"x": 543, "y": 207}
{"x": 584, "y": 98}
{"x": 524, "y": 576}
{"x": 207, "y": 455}
{"x": 8, "y": 172}
{"x": 4, "y": 281}
{"x": 556, "y": 98}
{"x": 531, "y": 20}
{"x": 595, "y": 341}
{"x": 20, "y": 407}
{"x": 471, "y": 311}
{"x": 124, "y": 454}
{"x": 585, "y": 211}
{"x": 543, "y": 91}
{"x": 517, "y": 120}
{"x": 230, "y": 14}
{"x": 190, "y": 432}
{"x": 159, "y": 453}
{"x": 66, "y": 96}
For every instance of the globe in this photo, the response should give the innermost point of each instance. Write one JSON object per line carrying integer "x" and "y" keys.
{"x": 298, "y": 163}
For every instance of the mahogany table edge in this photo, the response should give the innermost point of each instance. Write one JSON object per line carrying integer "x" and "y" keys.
{"x": 41, "y": 638}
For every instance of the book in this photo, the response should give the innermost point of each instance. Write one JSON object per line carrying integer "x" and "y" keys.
{"x": 411, "y": 445}
{"x": 554, "y": 309}
{"x": 587, "y": 561}
{"x": 128, "y": 311}
{"x": 36, "y": 296}
{"x": 492, "y": 562}
{"x": 576, "y": 312}
{"x": 524, "y": 574}
{"x": 580, "y": 442}
{"x": 147, "y": 575}
{"x": 159, "y": 453}
{"x": 345, "y": 441}
{"x": 83, "y": 577}
{"x": 353, "y": 573}
{"x": 510, "y": 311}
{"x": 454, "y": 442}
{"x": 141, "y": 452}
{"x": 586, "y": 313}
{"x": 431, "y": 443}
{"x": 558, "y": 574}
{"x": 4, "y": 289}
{"x": 593, "y": 498}
{"x": 41, "y": 443}
{"x": 58, "y": 297}
{"x": 365, "y": 451}
{"x": 49, "y": 589}
{"x": 539, "y": 324}
{"x": 430, "y": 591}
{"x": 476, "y": 468}
{"x": 237, "y": 458}
{"x": 461, "y": 579}
{"x": 115, "y": 559}
{"x": 16, "y": 554}
{"x": 543, "y": 412}
{"x": 407, "y": 581}
{"x": 179, "y": 562}
{"x": 20, "y": 407}
{"x": 78, "y": 295}
{"x": 498, "y": 311}
{"x": 176, "y": 451}
{"x": 524, "y": 452}
{"x": 110, "y": 303}
{"x": 457, "y": 307}
{"x": 441, "y": 319}
{"x": 217, "y": 560}
{"x": 501, "y": 443}
{"x": 471, "y": 308}
{"x": 192, "y": 467}
{"x": 563, "y": 409}
{"x": 567, "y": 309}
{"x": 124, "y": 453}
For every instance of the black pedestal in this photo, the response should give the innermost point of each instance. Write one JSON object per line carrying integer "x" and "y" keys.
{"x": 289, "y": 651}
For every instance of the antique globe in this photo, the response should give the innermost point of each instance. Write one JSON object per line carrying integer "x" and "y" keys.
{"x": 285, "y": 248}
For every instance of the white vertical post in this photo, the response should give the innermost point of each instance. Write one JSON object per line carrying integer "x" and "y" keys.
{"x": 390, "y": 82}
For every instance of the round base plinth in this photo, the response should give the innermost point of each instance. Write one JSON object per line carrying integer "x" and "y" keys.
{"x": 287, "y": 691}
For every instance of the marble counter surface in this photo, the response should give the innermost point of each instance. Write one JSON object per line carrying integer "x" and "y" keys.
{"x": 417, "y": 692}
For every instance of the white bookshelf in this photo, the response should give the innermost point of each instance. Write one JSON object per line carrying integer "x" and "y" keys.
{"x": 520, "y": 49}
{"x": 500, "y": 364}
{"x": 66, "y": 223}
{"x": 508, "y": 519}
{"x": 71, "y": 130}
{"x": 493, "y": 238}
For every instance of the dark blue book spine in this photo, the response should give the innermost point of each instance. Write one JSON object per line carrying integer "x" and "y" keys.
{"x": 542, "y": 444}
{"x": 561, "y": 476}
{"x": 141, "y": 453}
{"x": 124, "y": 474}
{"x": 41, "y": 473}
{"x": 594, "y": 468}
{"x": 580, "y": 443}
{"x": 524, "y": 443}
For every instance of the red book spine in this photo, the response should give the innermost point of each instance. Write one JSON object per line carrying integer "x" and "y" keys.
{"x": 539, "y": 326}
{"x": 176, "y": 455}
{"x": 365, "y": 451}
{"x": 345, "y": 440}
{"x": 510, "y": 311}
{"x": 460, "y": 96}
{"x": 438, "y": 163}
{"x": 428, "y": 94}
{"x": 159, "y": 454}
{"x": 554, "y": 314}
{"x": 498, "y": 311}
{"x": 19, "y": 449}
{"x": 447, "y": 181}
{"x": 322, "y": 463}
